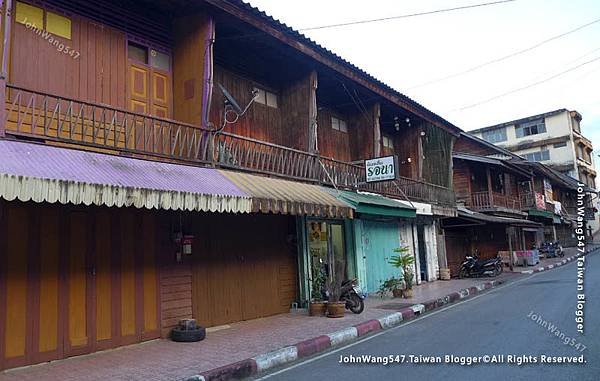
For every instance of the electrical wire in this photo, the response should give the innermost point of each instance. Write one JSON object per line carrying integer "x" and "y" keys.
{"x": 528, "y": 86}
{"x": 358, "y": 22}
{"x": 503, "y": 58}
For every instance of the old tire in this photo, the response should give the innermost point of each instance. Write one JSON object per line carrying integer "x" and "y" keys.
{"x": 188, "y": 335}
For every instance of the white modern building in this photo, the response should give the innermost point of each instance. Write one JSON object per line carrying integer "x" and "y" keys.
{"x": 553, "y": 138}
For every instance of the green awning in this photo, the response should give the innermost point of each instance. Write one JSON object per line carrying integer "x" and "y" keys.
{"x": 368, "y": 203}
{"x": 541, "y": 213}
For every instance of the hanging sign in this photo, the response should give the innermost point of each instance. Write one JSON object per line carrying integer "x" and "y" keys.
{"x": 381, "y": 169}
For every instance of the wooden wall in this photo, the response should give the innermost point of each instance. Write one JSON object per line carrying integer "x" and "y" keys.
{"x": 243, "y": 267}
{"x": 191, "y": 34}
{"x": 97, "y": 75}
{"x": 295, "y": 104}
{"x": 260, "y": 122}
{"x": 74, "y": 280}
{"x": 462, "y": 180}
{"x": 407, "y": 145}
{"x": 333, "y": 143}
{"x": 473, "y": 147}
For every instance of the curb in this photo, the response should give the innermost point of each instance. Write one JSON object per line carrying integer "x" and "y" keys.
{"x": 306, "y": 348}
{"x": 563, "y": 262}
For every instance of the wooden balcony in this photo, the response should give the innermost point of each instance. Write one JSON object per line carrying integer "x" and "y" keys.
{"x": 528, "y": 201}
{"x": 484, "y": 201}
{"x": 57, "y": 120}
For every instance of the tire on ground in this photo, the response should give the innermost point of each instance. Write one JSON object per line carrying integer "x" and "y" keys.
{"x": 187, "y": 336}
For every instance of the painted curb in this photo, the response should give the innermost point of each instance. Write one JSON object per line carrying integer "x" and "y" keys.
{"x": 557, "y": 264}
{"x": 306, "y": 348}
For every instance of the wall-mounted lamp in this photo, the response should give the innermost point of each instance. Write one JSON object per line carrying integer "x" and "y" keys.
{"x": 396, "y": 123}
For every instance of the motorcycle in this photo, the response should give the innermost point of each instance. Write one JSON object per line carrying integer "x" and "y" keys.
{"x": 473, "y": 267}
{"x": 353, "y": 296}
{"x": 551, "y": 249}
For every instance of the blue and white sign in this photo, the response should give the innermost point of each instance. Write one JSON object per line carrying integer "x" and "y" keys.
{"x": 381, "y": 169}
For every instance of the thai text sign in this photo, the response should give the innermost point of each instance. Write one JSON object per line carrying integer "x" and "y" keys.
{"x": 381, "y": 169}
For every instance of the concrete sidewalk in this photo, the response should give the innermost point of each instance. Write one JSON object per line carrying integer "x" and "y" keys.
{"x": 550, "y": 263}
{"x": 166, "y": 360}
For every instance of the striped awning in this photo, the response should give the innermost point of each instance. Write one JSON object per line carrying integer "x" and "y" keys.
{"x": 42, "y": 173}
{"x": 270, "y": 195}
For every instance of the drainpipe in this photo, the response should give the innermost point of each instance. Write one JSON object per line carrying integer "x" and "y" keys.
{"x": 208, "y": 73}
{"x": 6, "y": 20}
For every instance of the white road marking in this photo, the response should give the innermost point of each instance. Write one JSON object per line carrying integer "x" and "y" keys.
{"x": 312, "y": 359}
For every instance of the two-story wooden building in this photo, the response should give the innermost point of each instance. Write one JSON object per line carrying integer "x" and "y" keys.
{"x": 132, "y": 195}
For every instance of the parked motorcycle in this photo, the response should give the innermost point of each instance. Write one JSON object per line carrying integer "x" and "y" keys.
{"x": 551, "y": 249}
{"x": 353, "y": 296}
{"x": 473, "y": 267}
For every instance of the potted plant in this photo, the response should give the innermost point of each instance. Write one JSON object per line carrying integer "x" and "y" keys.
{"x": 335, "y": 308}
{"x": 392, "y": 285}
{"x": 318, "y": 305}
{"x": 405, "y": 261}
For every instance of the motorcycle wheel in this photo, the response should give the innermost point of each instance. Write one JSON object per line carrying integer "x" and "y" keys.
{"x": 499, "y": 269}
{"x": 357, "y": 305}
{"x": 462, "y": 274}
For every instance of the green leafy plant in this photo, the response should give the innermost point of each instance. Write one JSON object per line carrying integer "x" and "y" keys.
{"x": 404, "y": 261}
{"x": 318, "y": 283}
{"x": 389, "y": 285}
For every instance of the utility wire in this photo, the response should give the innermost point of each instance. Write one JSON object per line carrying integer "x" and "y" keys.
{"x": 528, "y": 86}
{"x": 358, "y": 22}
{"x": 503, "y": 58}
{"x": 404, "y": 16}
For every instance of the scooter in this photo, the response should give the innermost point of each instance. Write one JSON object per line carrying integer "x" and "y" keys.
{"x": 352, "y": 295}
{"x": 473, "y": 267}
{"x": 551, "y": 249}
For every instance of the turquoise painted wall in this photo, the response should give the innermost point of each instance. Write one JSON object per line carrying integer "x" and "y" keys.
{"x": 377, "y": 242}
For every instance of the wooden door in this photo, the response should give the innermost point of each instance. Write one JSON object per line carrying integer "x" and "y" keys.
{"x": 79, "y": 284}
{"x": 149, "y": 90}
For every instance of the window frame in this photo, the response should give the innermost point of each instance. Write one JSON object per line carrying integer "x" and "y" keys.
{"x": 526, "y": 129}
{"x": 491, "y": 138}
{"x": 342, "y": 124}
{"x": 263, "y": 96}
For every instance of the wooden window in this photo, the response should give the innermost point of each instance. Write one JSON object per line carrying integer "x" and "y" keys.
{"x": 160, "y": 60}
{"x": 339, "y": 124}
{"x": 388, "y": 142}
{"x": 27, "y": 14}
{"x": 58, "y": 25}
{"x": 137, "y": 53}
{"x": 266, "y": 97}
{"x": 33, "y": 17}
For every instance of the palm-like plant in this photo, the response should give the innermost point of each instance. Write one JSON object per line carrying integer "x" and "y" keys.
{"x": 405, "y": 262}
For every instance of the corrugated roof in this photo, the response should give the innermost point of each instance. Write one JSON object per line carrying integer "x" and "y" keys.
{"x": 41, "y": 173}
{"x": 375, "y": 204}
{"x": 467, "y": 213}
{"x": 271, "y": 195}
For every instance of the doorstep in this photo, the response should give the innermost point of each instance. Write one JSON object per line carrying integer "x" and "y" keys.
{"x": 251, "y": 345}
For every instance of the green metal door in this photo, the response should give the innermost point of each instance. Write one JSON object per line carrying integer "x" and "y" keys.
{"x": 379, "y": 239}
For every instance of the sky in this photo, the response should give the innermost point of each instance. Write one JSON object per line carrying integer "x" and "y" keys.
{"x": 409, "y": 52}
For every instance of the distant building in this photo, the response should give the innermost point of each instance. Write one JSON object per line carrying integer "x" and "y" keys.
{"x": 553, "y": 138}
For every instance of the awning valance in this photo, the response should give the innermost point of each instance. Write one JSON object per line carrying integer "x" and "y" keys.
{"x": 476, "y": 218}
{"x": 271, "y": 195}
{"x": 374, "y": 204}
{"x": 42, "y": 173}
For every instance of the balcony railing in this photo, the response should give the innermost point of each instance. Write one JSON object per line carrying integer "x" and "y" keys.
{"x": 48, "y": 117}
{"x": 485, "y": 201}
{"x": 529, "y": 201}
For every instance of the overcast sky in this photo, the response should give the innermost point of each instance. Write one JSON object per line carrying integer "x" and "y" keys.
{"x": 408, "y": 52}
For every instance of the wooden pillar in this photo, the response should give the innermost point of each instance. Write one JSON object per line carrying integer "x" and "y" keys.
{"x": 376, "y": 130}
{"x": 489, "y": 186}
{"x": 6, "y": 23}
{"x": 313, "y": 143}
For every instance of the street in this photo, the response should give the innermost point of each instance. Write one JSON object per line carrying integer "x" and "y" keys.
{"x": 498, "y": 322}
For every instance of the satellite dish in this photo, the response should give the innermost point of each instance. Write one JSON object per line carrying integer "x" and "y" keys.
{"x": 230, "y": 100}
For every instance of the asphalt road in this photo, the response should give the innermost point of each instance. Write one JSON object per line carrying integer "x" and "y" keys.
{"x": 493, "y": 323}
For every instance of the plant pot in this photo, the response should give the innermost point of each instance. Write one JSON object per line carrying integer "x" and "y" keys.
{"x": 336, "y": 309}
{"x": 317, "y": 308}
{"x": 397, "y": 293}
{"x": 408, "y": 293}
